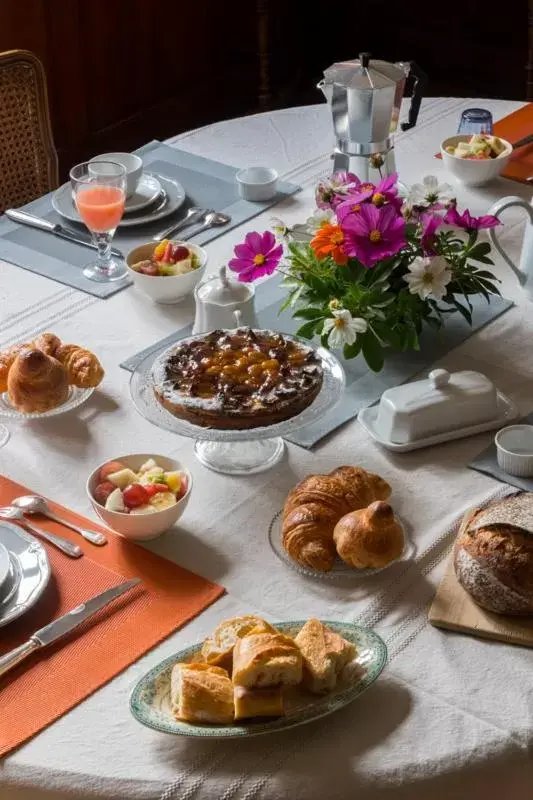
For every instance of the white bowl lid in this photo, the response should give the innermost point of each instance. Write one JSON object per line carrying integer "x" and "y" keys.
{"x": 223, "y": 292}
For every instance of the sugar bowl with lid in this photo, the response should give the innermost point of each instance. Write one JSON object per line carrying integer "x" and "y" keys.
{"x": 218, "y": 298}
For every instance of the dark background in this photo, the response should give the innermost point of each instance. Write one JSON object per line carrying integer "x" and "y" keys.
{"x": 121, "y": 72}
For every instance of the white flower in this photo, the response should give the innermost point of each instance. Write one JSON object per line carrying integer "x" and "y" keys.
{"x": 429, "y": 277}
{"x": 320, "y": 217}
{"x": 343, "y": 328}
{"x": 429, "y": 192}
{"x": 279, "y": 228}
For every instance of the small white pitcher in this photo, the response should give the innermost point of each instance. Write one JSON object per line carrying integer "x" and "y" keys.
{"x": 524, "y": 270}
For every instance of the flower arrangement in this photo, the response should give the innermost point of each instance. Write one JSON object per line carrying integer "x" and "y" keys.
{"x": 375, "y": 268}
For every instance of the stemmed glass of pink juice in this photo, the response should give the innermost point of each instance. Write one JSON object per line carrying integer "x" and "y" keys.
{"x": 99, "y": 193}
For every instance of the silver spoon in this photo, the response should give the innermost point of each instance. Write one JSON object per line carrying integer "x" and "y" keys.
{"x": 11, "y": 512}
{"x": 211, "y": 220}
{"x": 33, "y": 504}
{"x": 194, "y": 214}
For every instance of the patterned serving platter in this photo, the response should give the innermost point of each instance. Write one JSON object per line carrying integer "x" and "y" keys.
{"x": 150, "y": 699}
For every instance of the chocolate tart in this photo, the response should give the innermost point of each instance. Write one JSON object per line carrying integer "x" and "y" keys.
{"x": 237, "y": 379}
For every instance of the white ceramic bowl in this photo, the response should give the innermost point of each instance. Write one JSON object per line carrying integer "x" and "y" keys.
{"x": 140, "y": 527}
{"x": 132, "y": 164}
{"x": 257, "y": 184}
{"x": 469, "y": 171}
{"x": 514, "y": 450}
{"x": 166, "y": 289}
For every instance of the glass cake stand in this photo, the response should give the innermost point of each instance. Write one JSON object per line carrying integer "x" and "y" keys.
{"x": 238, "y": 452}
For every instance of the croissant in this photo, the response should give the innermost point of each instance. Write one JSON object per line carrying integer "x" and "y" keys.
{"x": 370, "y": 537}
{"x": 83, "y": 368}
{"x": 48, "y": 343}
{"x": 316, "y": 504}
{"x": 36, "y": 382}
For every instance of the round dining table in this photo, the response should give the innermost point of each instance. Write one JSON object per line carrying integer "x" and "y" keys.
{"x": 451, "y": 716}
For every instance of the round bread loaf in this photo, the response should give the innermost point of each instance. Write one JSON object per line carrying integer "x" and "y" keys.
{"x": 494, "y": 563}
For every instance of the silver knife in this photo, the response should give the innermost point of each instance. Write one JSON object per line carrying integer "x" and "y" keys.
{"x": 60, "y": 627}
{"x": 54, "y": 227}
{"x": 521, "y": 142}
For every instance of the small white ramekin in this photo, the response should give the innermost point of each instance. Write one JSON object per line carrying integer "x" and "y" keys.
{"x": 257, "y": 184}
{"x": 514, "y": 450}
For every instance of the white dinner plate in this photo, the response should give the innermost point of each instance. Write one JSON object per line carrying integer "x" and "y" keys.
{"x": 173, "y": 198}
{"x": 150, "y": 699}
{"x": 5, "y": 565}
{"x": 148, "y": 189}
{"x": 29, "y": 572}
{"x": 507, "y": 411}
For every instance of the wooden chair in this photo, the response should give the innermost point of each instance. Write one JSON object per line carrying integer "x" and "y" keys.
{"x": 28, "y": 159}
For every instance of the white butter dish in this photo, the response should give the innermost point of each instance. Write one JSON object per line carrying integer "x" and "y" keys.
{"x": 441, "y": 407}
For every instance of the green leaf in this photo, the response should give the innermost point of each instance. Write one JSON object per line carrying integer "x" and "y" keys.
{"x": 352, "y": 350}
{"x": 307, "y": 331}
{"x": 372, "y": 351}
{"x": 324, "y": 340}
{"x": 309, "y": 313}
{"x": 465, "y": 312}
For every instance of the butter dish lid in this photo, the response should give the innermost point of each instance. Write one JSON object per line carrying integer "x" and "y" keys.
{"x": 439, "y": 384}
{"x": 441, "y": 402}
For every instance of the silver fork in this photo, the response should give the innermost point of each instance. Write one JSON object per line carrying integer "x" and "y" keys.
{"x": 12, "y": 513}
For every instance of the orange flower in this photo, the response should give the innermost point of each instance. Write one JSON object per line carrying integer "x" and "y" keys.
{"x": 328, "y": 241}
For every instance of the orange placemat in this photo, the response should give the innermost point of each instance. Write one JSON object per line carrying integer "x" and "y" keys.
{"x": 514, "y": 127}
{"x": 50, "y": 683}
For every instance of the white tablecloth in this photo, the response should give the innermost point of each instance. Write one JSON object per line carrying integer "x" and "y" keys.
{"x": 451, "y": 715}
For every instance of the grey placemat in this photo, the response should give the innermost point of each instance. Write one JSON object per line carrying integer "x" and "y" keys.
{"x": 487, "y": 463}
{"x": 208, "y": 184}
{"x": 363, "y": 387}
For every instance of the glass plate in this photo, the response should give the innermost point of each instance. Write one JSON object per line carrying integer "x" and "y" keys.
{"x": 340, "y": 569}
{"x": 75, "y": 398}
{"x": 145, "y": 402}
{"x": 150, "y": 699}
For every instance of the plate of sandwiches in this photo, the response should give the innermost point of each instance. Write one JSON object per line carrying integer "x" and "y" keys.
{"x": 251, "y": 677}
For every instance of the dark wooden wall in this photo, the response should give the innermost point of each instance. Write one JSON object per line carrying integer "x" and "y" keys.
{"x": 121, "y": 72}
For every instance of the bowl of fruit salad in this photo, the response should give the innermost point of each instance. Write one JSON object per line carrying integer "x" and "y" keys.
{"x": 168, "y": 271}
{"x": 140, "y": 496}
{"x": 475, "y": 159}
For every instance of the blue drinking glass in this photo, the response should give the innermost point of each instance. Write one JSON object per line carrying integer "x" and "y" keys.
{"x": 475, "y": 120}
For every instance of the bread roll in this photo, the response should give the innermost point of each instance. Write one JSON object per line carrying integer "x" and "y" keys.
{"x": 218, "y": 648}
{"x": 265, "y": 659}
{"x": 325, "y": 654}
{"x": 251, "y": 703}
{"x": 201, "y": 693}
{"x": 494, "y": 563}
{"x": 370, "y": 537}
{"x": 36, "y": 382}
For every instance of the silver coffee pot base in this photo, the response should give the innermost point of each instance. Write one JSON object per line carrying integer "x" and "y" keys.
{"x": 369, "y": 169}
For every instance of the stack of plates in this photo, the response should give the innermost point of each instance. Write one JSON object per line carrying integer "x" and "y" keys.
{"x": 155, "y": 198}
{"x": 24, "y": 571}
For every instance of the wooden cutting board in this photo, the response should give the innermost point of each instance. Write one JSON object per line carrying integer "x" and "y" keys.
{"x": 453, "y": 608}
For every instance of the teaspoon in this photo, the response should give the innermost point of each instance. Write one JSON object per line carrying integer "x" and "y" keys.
{"x": 194, "y": 214}
{"x": 213, "y": 219}
{"x": 11, "y": 512}
{"x": 33, "y": 504}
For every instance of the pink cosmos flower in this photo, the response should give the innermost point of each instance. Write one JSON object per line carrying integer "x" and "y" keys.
{"x": 430, "y": 223}
{"x": 258, "y": 255}
{"x": 331, "y": 192}
{"x": 373, "y": 233}
{"x": 468, "y": 222}
{"x": 384, "y": 192}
